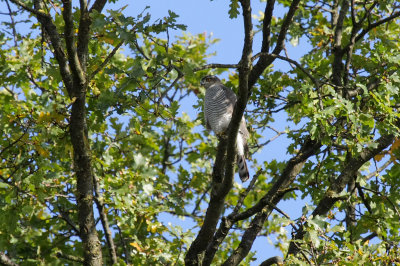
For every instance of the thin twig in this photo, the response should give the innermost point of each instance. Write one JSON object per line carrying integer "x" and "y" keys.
{"x": 104, "y": 221}
{"x": 69, "y": 257}
{"x": 380, "y": 169}
{"x": 105, "y": 62}
{"x": 215, "y": 66}
{"x": 12, "y": 23}
{"x": 34, "y": 11}
{"x": 246, "y": 192}
{"x": 308, "y": 74}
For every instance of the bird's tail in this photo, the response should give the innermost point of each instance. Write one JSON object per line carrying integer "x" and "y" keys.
{"x": 243, "y": 170}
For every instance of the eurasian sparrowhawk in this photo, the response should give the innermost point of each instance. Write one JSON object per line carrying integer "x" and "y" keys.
{"x": 219, "y": 102}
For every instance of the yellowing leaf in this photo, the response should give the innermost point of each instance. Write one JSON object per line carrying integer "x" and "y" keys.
{"x": 136, "y": 245}
{"x": 41, "y": 117}
{"x": 42, "y": 152}
{"x": 107, "y": 40}
{"x": 95, "y": 91}
{"x": 395, "y": 145}
{"x": 40, "y": 215}
{"x": 152, "y": 228}
{"x": 57, "y": 117}
{"x": 379, "y": 157}
{"x": 44, "y": 117}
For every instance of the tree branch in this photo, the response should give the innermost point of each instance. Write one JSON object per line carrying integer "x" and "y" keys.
{"x": 376, "y": 24}
{"x": 5, "y": 260}
{"x": 226, "y": 225}
{"x": 74, "y": 63}
{"x": 337, "y": 65}
{"x": 294, "y": 62}
{"x": 98, "y": 5}
{"x": 264, "y": 62}
{"x": 331, "y": 196}
{"x": 56, "y": 42}
{"x": 69, "y": 257}
{"x": 380, "y": 169}
{"x": 273, "y": 260}
{"x": 268, "y": 201}
{"x": 104, "y": 222}
{"x": 215, "y": 66}
{"x": 64, "y": 215}
{"x": 83, "y": 36}
{"x": 219, "y": 191}
{"x": 266, "y": 31}
{"x": 13, "y": 24}
{"x": 35, "y": 11}
{"x": 105, "y": 62}
{"x": 78, "y": 130}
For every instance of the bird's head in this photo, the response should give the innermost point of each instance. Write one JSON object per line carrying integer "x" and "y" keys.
{"x": 209, "y": 80}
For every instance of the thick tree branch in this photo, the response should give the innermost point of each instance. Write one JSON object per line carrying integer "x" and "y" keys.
{"x": 293, "y": 167}
{"x": 98, "y": 5}
{"x": 197, "y": 249}
{"x": 219, "y": 165}
{"x": 351, "y": 208}
{"x": 337, "y": 65}
{"x": 266, "y": 30}
{"x": 79, "y": 133}
{"x": 351, "y": 168}
{"x": 83, "y": 35}
{"x": 226, "y": 225}
{"x": 73, "y": 59}
{"x": 58, "y": 49}
{"x": 273, "y": 260}
{"x": 219, "y": 191}
{"x": 265, "y": 206}
{"x": 84, "y": 176}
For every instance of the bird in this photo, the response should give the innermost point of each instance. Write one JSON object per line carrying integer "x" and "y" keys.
{"x": 219, "y": 102}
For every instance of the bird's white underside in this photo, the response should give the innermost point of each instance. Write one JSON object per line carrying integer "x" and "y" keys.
{"x": 221, "y": 126}
{"x": 222, "y": 123}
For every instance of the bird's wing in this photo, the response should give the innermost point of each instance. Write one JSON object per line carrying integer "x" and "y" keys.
{"x": 230, "y": 95}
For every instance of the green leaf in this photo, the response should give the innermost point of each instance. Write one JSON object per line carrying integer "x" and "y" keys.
{"x": 233, "y": 9}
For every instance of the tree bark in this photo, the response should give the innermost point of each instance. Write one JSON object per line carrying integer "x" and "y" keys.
{"x": 72, "y": 66}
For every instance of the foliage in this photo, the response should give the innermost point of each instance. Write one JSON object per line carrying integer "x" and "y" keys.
{"x": 151, "y": 160}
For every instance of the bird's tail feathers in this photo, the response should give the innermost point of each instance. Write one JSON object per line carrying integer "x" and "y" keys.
{"x": 243, "y": 170}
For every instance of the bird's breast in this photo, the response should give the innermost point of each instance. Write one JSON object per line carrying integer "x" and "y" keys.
{"x": 217, "y": 109}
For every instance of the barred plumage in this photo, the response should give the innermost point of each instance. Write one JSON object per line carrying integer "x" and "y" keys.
{"x": 219, "y": 102}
